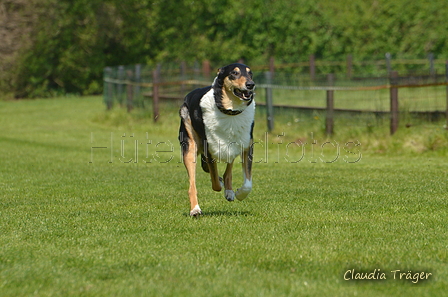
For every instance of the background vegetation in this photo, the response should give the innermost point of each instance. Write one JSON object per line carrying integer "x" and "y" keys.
{"x": 62, "y": 46}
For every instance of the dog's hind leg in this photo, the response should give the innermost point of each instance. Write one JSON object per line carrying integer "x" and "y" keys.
{"x": 190, "y": 165}
{"x": 189, "y": 153}
{"x": 247, "y": 157}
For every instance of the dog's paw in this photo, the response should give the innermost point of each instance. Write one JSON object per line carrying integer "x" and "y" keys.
{"x": 230, "y": 195}
{"x": 242, "y": 192}
{"x": 196, "y": 211}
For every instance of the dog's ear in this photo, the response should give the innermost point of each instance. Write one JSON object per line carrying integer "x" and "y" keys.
{"x": 220, "y": 75}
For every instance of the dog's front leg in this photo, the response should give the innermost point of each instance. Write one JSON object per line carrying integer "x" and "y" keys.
{"x": 213, "y": 169}
{"x": 245, "y": 189}
{"x": 228, "y": 193}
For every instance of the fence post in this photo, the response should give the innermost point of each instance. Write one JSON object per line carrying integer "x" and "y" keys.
{"x": 183, "y": 77}
{"x": 108, "y": 89}
{"x": 129, "y": 91}
{"x": 432, "y": 71}
{"x": 272, "y": 67}
{"x": 137, "y": 79}
{"x": 393, "y": 102}
{"x": 446, "y": 79}
{"x": 196, "y": 73}
{"x": 206, "y": 69}
{"x": 155, "y": 93}
{"x": 120, "y": 85}
{"x": 329, "y": 122}
{"x": 196, "y": 70}
{"x": 312, "y": 67}
{"x": 389, "y": 63}
{"x": 269, "y": 104}
{"x": 349, "y": 66}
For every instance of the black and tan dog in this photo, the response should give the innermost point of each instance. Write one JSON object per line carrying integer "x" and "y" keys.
{"x": 217, "y": 122}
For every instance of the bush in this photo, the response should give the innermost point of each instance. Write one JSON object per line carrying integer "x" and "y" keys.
{"x": 72, "y": 41}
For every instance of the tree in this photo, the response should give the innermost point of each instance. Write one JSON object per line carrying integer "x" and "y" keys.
{"x": 71, "y": 41}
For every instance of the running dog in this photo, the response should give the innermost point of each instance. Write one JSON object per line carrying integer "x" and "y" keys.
{"x": 217, "y": 122}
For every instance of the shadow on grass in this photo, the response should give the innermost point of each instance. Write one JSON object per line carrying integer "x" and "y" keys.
{"x": 222, "y": 213}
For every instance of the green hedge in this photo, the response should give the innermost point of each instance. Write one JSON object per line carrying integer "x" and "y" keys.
{"x": 72, "y": 41}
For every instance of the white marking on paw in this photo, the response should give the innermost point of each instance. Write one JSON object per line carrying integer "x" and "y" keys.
{"x": 196, "y": 211}
{"x": 242, "y": 192}
{"x": 230, "y": 195}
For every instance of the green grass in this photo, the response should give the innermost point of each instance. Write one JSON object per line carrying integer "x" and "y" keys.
{"x": 74, "y": 228}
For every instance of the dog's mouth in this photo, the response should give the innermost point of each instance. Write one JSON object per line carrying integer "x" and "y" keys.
{"x": 245, "y": 95}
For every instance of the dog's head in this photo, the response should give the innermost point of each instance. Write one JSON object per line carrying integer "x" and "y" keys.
{"x": 235, "y": 81}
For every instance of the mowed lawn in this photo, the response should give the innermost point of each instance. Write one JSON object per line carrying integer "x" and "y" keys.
{"x": 94, "y": 203}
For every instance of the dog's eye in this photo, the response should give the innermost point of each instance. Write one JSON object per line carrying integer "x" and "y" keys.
{"x": 234, "y": 73}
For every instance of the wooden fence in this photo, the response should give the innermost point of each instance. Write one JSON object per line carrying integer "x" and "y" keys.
{"x": 383, "y": 67}
{"x": 393, "y": 88}
{"x": 140, "y": 91}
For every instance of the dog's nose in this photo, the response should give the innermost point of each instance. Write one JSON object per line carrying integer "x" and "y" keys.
{"x": 250, "y": 85}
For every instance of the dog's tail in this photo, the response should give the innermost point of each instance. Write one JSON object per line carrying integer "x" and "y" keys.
{"x": 204, "y": 164}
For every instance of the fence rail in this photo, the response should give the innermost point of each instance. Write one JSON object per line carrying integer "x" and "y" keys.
{"x": 137, "y": 86}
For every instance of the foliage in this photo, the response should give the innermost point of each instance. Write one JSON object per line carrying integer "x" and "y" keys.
{"x": 72, "y": 41}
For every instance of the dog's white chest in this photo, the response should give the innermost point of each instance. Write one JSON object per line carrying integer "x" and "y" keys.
{"x": 227, "y": 135}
